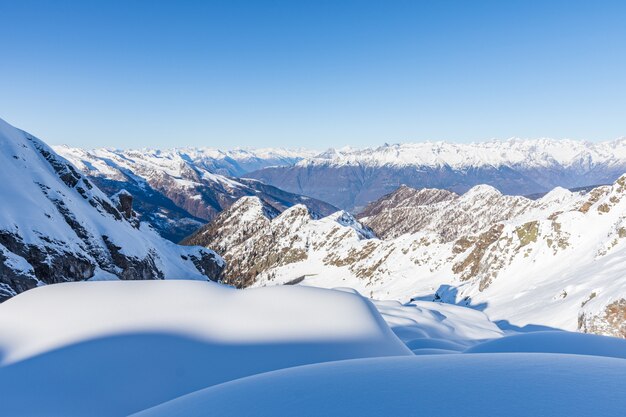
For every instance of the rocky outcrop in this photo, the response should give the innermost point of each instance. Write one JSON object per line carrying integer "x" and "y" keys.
{"x": 611, "y": 321}
{"x": 408, "y": 211}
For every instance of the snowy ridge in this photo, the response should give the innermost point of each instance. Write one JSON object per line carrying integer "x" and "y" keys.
{"x": 353, "y": 178}
{"x": 182, "y": 188}
{"x": 450, "y": 216}
{"x": 554, "y": 261}
{"x": 56, "y": 226}
{"x": 512, "y": 152}
{"x": 231, "y": 163}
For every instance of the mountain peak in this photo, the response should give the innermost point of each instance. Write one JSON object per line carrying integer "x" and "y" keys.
{"x": 481, "y": 190}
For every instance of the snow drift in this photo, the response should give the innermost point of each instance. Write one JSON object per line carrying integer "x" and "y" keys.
{"x": 113, "y": 348}
{"x": 452, "y": 385}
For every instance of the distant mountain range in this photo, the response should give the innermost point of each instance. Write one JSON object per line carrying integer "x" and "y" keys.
{"x": 351, "y": 178}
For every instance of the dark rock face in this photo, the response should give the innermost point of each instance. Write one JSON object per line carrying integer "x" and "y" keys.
{"x": 126, "y": 205}
{"x": 151, "y": 206}
{"x": 130, "y": 267}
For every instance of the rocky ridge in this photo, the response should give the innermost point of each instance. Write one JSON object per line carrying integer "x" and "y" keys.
{"x": 555, "y": 261}
{"x": 178, "y": 191}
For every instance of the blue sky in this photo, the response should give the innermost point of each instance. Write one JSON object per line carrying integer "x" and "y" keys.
{"x": 311, "y": 73}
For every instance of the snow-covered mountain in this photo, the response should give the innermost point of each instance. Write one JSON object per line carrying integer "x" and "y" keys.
{"x": 351, "y": 178}
{"x": 177, "y": 191}
{"x": 408, "y": 210}
{"x": 557, "y": 261}
{"x": 57, "y": 226}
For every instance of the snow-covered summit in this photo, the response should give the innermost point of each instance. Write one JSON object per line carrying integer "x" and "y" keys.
{"x": 512, "y": 152}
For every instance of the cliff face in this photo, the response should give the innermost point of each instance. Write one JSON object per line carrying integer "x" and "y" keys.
{"x": 57, "y": 226}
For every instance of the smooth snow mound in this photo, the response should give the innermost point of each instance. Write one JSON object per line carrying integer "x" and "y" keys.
{"x": 445, "y": 385}
{"x": 556, "y": 342}
{"x": 117, "y": 347}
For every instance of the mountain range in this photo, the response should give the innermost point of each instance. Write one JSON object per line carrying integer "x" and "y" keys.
{"x": 557, "y": 261}
{"x": 351, "y": 178}
{"x": 179, "y": 190}
{"x": 551, "y": 260}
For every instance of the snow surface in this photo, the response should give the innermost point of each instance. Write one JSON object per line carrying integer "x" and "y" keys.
{"x": 555, "y": 342}
{"x": 117, "y": 347}
{"x": 191, "y": 348}
{"x": 425, "y": 325}
{"x": 451, "y": 385}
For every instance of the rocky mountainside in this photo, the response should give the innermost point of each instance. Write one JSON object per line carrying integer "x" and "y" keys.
{"x": 57, "y": 226}
{"x": 179, "y": 190}
{"x": 269, "y": 239}
{"x": 451, "y": 216}
{"x": 557, "y": 261}
{"x": 352, "y": 178}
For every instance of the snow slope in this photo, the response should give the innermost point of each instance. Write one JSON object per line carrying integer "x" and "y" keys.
{"x": 555, "y": 342}
{"x": 555, "y": 262}
{"x": 451, "y": 385}
{"x": 56, "y": 226}
{"x": 113, "y": 348}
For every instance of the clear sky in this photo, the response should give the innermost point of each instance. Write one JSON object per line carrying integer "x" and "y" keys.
{"x": 311, "y": 73}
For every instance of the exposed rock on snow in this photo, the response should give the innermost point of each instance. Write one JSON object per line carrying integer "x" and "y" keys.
{"x": 178, "y": 190}
{"x": 527, "y": 262}
{"x": 56, "y": 226}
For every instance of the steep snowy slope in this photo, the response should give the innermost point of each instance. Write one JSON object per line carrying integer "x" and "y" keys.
{"x": 557, "y": 261}
{"x": 179, "y": 190}
{"x": 56, "y": 226}
{"x": 352, "y": 178}
{"x": 114, "y": 348}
